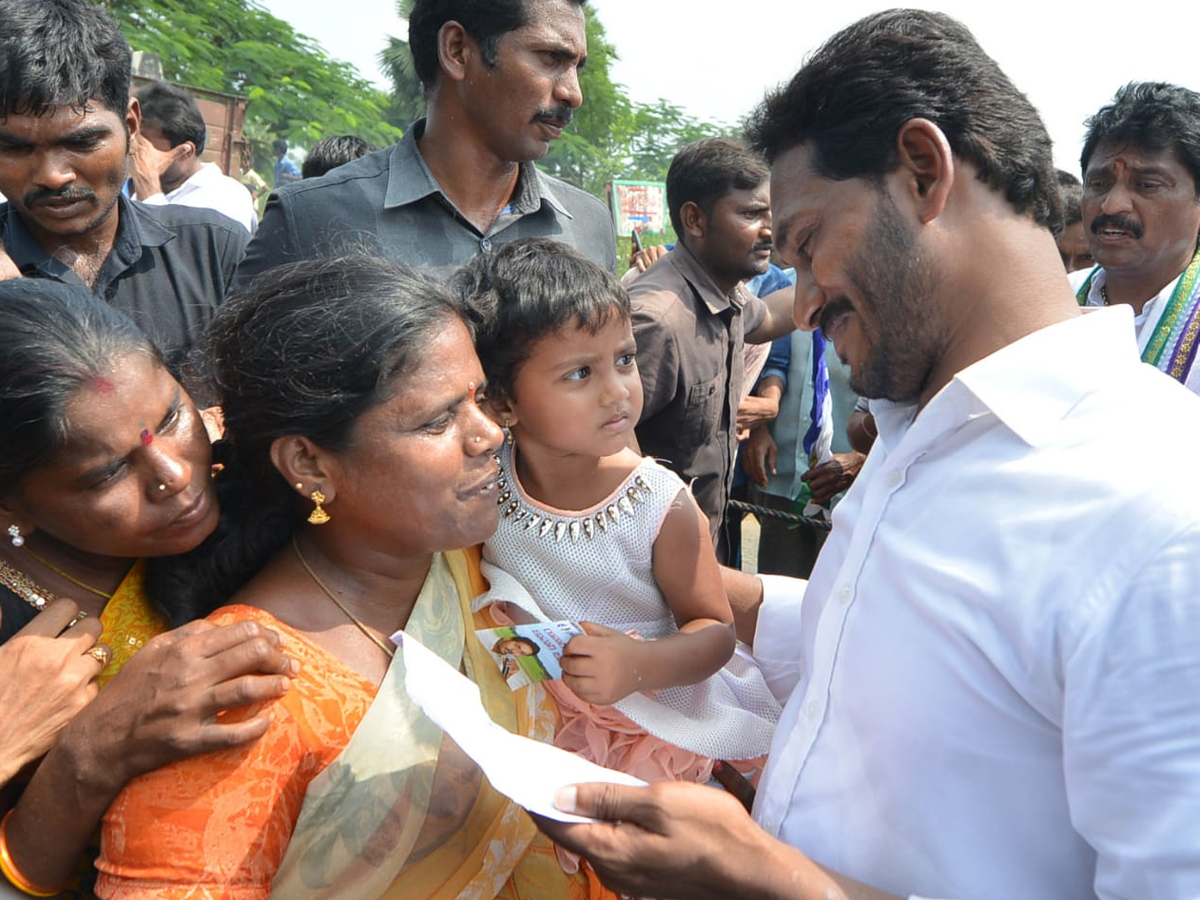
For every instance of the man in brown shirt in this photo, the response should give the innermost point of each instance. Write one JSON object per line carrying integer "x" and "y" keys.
{"x": 691, "y": 314}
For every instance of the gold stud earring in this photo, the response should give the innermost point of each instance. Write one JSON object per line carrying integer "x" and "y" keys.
{"x": 318, "y": 516}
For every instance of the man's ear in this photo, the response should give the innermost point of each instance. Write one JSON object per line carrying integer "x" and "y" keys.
{"x": 455, "y": 47}
{"x": 927, "y": 165}
{"x": 133, "y": 117}
{"x": 306, "y": 466}
{"x": 693, "y": 219}
{"x": 185, "y": 151}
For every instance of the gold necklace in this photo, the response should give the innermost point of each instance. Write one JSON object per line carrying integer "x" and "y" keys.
{"x": 71, "y": 578}
{"x": 338, "y": 603}
{"x": 24, "y": 586}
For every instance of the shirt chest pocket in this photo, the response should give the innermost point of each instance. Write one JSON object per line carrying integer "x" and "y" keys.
{"x": 702, "y": 413}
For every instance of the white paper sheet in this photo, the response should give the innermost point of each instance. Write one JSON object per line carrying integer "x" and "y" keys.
{"x": 528, "y": 772}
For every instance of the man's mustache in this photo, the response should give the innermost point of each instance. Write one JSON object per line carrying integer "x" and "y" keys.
{"x": 832, "y": 310}
{"x": 560, "y": 116}
{"x": 1122, "y": 223}
{"x": 67, "y": 195}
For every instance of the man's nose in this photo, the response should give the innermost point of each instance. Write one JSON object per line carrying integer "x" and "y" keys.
{"x": 53, "y": 170}
{"x": 807, "y": 304}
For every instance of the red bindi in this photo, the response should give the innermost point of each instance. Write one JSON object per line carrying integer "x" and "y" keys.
{"x": 146, "y": 437}
{"x": 103, "y": 385}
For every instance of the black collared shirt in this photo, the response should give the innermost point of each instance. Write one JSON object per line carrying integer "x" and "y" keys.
{"x": 168, "y": 270}
{"x": 389, "y": 204}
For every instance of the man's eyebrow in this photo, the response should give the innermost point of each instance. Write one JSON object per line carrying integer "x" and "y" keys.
{"x": 87, "y": 132}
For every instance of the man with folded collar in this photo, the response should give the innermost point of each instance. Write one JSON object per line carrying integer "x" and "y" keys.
{"x": 501, "y": 82}
{"x": 1141, "y": 208}
{"x": 66, "y": 127}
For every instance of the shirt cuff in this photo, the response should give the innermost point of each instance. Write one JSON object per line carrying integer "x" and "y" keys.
{"x": 777, "y": 633}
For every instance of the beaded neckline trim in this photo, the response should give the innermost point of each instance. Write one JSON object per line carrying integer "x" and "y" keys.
{"x": 588, "y": 526}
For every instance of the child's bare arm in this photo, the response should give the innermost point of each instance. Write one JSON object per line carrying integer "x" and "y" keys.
{"x": 604, "y": 665}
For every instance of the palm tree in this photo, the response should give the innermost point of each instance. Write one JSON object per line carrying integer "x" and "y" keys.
{"x": 408, "y": 96}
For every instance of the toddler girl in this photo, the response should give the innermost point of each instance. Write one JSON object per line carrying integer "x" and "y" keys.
{"x": 592, "y": 532}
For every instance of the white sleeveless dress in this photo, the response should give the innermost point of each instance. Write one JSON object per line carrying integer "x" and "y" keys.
{"x": 595, "y": 565}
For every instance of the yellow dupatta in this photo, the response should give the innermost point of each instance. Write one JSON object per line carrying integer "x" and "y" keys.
{"x": 402, "y": 814}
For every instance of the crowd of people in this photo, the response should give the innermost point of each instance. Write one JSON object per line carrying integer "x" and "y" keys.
{"x": 241, "y": 454}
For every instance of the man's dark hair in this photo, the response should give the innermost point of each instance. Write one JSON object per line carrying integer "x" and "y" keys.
{"x": 851, "y": 98}
{"x": 332, "y": 152}
{"x": 279, "y": 145}
{"x": 705, "y": 171}
{"x": 484, "y": 20}
{"x": 60, "y": 53}
{"x": 1070, "y": 193}
{"x": 1152, "y": 116}
{"x": 175, "y": 111}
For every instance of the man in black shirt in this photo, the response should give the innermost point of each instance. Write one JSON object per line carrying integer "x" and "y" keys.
{"x": 65, "y": 133}
{"x": 501, "y": 82}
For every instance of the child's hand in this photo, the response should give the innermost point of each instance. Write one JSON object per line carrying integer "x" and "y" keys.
{"x": 601, "y": 666}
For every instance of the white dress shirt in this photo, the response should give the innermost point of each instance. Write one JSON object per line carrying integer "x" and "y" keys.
{"x": 210, "y": 188}
{"x": 1144, "y": 322}
{"x": 997, "y": 659}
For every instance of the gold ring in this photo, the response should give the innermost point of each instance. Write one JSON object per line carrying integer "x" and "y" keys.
{"x": 100, "y": 654}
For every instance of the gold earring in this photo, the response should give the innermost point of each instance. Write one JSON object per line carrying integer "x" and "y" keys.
{"x": 318, "y": 516}
{"x": 508, "y": 436}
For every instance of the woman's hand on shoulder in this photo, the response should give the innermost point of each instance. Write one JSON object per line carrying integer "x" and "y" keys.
{"x": 48, "y": 677}
{"x": 164, "y": 704}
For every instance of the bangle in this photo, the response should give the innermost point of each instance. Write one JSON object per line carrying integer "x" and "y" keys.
{"x": 9, "y": 868}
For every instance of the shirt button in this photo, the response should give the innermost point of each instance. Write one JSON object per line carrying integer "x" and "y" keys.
{"x": 894, "y": 479}
{"x": 485, "y": 245}
{"x": 812, "y": 708}
{"x": 844, "y": 594}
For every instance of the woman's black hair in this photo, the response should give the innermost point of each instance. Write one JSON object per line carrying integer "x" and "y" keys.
{"x": 526, "y": 290}
{"x": 305, "y": 350}
{"x": 54, "y": 339}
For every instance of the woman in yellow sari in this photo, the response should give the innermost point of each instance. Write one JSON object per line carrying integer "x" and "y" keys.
{"x": 361, "y": 460}
{"x": 105, "y": 462}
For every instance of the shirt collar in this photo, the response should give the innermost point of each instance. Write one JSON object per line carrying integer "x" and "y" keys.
{"x": 1030, "y": 385}
{"x": 1033, "y": 383}
{"x": 134, "y": 231}
{"x": 410, "y": 180}
{"x": 706, "y": 289}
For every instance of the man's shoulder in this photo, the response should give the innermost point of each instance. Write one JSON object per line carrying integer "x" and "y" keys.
{"x": 344, "y": 179}
{"x": 576, "y": 200}
{"x": 663, "y": 288}
{"x": 196, "y": 224}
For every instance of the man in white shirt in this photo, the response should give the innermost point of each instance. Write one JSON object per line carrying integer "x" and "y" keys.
{"x": 166, "y": 158}
{"x": 1141, "y": 209}
{"x": 992, "y": 679}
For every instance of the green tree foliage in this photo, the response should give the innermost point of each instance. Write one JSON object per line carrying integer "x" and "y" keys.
{"x": 408, "y": 94}
{"x": 236, "y": 46}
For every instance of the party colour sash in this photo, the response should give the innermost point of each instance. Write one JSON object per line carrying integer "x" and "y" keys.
{"x": 1172, "y": 346}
